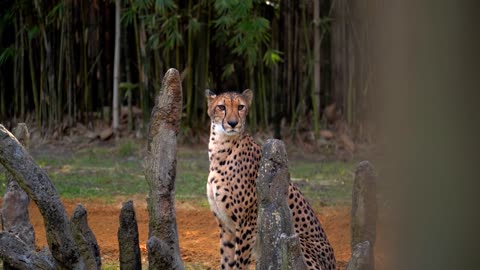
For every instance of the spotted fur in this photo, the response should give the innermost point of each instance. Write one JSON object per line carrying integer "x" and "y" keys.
{"x": 231, "y": 189}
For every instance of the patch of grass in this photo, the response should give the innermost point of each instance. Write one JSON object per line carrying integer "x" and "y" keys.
{"x": 323, "y": 183}
{"x": 109, "y": 171}
{"x": 127, "y": 148}
{"x": 192, "y": 173}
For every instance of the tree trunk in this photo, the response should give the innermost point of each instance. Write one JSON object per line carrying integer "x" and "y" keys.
{"x": 160, "y": 172}
{"x": 362, "y": 257}
{"x": 15, "y": 217}
{"x": 116, "y": 68}
{"x": 130, "y": 258}
{"x": 20, "y": 255}
{"x": 85, "y": 239}
{"x": 278, "y": 247}
{"x": 364, "y": 217}
{"x": 38, "y": 186}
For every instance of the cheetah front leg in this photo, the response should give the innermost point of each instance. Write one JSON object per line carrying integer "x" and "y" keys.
{"x": 227, "y": 249}
{"x": 244, "y": 242}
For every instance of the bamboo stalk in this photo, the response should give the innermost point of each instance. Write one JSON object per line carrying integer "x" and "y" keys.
{"x": 86, "y": 91}
{"x": 22, "y": 68}
{"x": 128, "y": 73}
{"x": 207, "y": 59}
{"x": 116, "y": 68}
{"x": 15, "y": 69}
{"x": 139, "y": 65}
{"x": 36, "y": 98}
{"x": 60, "y": 72}
{"x": 189, "y": 70}
{"x": 316, "y": 91}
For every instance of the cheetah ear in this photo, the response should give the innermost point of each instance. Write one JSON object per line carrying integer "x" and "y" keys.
{"x": 248, "y": 96}
{"x": 210, "y": 96}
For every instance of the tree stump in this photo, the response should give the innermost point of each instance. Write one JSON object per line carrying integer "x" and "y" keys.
{"x": 130, "y": 258}
{"x": 160, "y": 172}
{"x": 15, "y": 217}
{"x": 85, "y": 239}
{"x": 364, "y": 216}
{"x": 362, "y": 257}
{"x": 278, "y": 247}
{"x": 35, "y": 182}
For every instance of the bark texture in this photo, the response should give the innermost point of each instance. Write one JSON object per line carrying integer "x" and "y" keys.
{"x": 32, "y": 179}
{"x": 20, "y": 255}
{"x": 362, "y": 257}
{"x": 15, "y": 217}
{"x": 364, "y": 218}
{"x": 364, "y": 205}
{"x": 160, "y": 173}
{"x": 130, "y": 258}
{"x": 85, "y": 239}
{"x": 278, "y": 247}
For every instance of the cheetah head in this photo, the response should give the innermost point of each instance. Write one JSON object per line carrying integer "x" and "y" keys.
{"x": 228, "y": 111}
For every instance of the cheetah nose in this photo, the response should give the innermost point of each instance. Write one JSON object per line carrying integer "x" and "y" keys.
{"x": 232, "y": 123}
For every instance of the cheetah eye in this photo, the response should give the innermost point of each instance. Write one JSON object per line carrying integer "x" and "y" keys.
{"x": 221, "y": 107}
{"x": 240, "y": 107}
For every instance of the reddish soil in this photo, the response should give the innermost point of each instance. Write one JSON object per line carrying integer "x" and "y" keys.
{"x": 197, "y": 230}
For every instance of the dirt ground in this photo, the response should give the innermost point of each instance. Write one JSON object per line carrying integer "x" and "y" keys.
{"x": 197, "y": 230}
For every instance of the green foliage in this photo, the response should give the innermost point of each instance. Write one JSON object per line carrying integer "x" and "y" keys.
{"x": 228, "y": 70}
{"x": 33, "y": 32}
{"x": 194, "y": 25}
{"x": 163, "y": 6}
{"x": 241, "y": 28}
{"x": 272, "y": 57}
{"x": 55, "y": 14}
{"x": 6, "y": 54}
{"x": 214, "y": 43}
{"x": 170, "y": 28}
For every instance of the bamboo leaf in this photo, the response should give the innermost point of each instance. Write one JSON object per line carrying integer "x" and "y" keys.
{"x": 54, "y": 13}
{"x": 128, "y": 85}
{"x": 194, "y": 25}
{"x": 163, "y": 6}
{"x": 272, "y": 57}
{"x": 128, "y": 16}
{"x": 153, "y": 42}
{"x": 228, "y": 70}
{"x": 6, "y": 54}
{"x": 33, "y": 32}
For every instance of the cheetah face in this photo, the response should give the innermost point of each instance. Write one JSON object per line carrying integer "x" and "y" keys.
{"x": 228, "y": 111}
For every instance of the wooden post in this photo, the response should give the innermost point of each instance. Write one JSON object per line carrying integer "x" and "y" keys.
{"x": 160, "y": 172}
{"x": 85, "y": 239}
{"x": 364, "y": 217}
{"x": 278, "y": 247}
{"x": 130, "y": 258}
{"x": 15, "y": 217}
{"x": 35, "y": 182}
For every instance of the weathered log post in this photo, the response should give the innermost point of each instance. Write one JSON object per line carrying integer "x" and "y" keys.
{"x": 160, "y": 172}
{"x": 85, "y": 239}
{"x": 35, "y": 182}
{"x": 15, "y": 217}
{"x": 278, "y": 247}
{"x": 364, "y": 218}
{"x": 130, "y": 258}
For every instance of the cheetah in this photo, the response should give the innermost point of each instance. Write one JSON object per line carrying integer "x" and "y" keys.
{"x": 231, "y": 189}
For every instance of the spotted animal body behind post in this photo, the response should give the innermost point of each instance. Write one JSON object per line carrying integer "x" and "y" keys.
{"x": 231, "y": 189}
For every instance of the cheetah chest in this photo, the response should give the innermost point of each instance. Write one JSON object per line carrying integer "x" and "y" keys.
{"x": 219, "y": 201}
{"x": 231, "y": 187}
